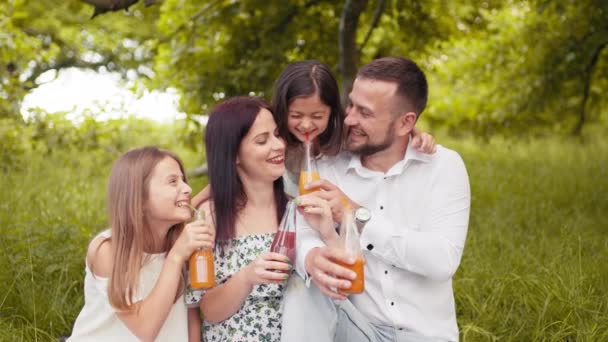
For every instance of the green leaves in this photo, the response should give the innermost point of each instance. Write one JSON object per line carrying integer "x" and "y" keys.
{"x": 494, "y": 66}
{"x": 37, "y": 36}
{"x": 219, "y": 49}
{"x": 525, "y": 72}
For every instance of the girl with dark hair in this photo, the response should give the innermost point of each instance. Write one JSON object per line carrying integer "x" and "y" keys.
{"x": 245, "y": 156}
{"x": 306, "y": 101}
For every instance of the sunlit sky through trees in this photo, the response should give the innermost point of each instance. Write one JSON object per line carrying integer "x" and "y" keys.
{"x": 101, "y": 94}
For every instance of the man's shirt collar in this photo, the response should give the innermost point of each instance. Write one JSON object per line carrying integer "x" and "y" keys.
{"x": 411, "y": 155}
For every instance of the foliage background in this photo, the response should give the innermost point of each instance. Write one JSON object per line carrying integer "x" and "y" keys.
{"x": 517, "y": 87}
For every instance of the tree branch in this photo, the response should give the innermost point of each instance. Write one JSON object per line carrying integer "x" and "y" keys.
{"x": 289, "y": 17}
{"x": 68, "y": 62}
{"x": 190, "y": 20}
{"x": 32, "y": 32}
{"x": 377, "y": 14}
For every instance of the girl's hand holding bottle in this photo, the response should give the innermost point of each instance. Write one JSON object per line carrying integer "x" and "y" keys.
{"x": 317, "y": 212}
{"x": 309, "y": 172}
{"x": 198, "y": 234}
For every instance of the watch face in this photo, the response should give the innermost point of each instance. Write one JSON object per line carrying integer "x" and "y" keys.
{"x": 362, "y": 214}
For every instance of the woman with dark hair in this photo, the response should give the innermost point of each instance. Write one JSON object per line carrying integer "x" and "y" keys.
{"x": 245, "y": 155}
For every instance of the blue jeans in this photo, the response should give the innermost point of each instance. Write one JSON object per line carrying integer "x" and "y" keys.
{"x": 308, "y": 315}
{"x": 353, "y": 326}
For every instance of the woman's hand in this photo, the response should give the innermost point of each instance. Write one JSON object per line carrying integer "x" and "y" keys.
{"x": 263, "y": 270}
{"x": 318, "y": 213}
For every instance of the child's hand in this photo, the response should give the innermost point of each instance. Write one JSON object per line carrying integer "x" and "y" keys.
{"x": 334, "y": 197}
{"x": 195, "y": 235}
{"x": 423, "y": 142}
{"x": 317, "y": 212}
{"x": 263, "y": 270}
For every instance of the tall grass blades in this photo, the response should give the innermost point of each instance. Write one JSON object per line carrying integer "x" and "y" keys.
{"x": 533, "y": 267}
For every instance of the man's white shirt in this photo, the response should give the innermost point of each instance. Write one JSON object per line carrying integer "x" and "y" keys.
{"x": 414, "y": 241}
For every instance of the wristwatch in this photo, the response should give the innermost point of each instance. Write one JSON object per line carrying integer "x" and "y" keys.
{"x": 362, "y": 216}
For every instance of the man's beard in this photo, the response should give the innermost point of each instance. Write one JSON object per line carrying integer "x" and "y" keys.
{"x": 369, "y": 149}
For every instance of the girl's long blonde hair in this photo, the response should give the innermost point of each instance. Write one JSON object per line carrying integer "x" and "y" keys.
{"x": 127, "y": 192}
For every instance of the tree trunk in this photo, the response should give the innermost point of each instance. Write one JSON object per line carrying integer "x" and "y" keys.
{"x": 349, "y": 54}
{"x": 377, "y": 14}
{"x": 587, "y": 78}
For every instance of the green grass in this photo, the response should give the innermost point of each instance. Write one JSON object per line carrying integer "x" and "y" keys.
{"x": 51, "y": 204}
{"x": 533, "y": 267}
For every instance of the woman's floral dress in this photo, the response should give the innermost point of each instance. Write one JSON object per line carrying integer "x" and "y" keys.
{"x": 259, "y": 319}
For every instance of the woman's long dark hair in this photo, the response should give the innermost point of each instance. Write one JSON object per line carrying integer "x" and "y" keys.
{"x": 228, "y": 124}
{"x": 304, "y": 79}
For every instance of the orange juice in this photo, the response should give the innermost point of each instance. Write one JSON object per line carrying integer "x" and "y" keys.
{"x": 202, "y": 269}
{"x": 357, "y": 285}
{"x": 307, "y": 177}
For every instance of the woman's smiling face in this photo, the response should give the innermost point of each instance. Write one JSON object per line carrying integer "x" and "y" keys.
{"x": 262, "y": 151}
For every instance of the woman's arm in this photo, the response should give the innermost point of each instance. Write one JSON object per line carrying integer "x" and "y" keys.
{"x": 223, "y": 301}
{"x": 194, "y": 325}
{"x": 202, "y": 196}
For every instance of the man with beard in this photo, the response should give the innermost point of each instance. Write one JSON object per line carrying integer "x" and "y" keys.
{"x": 416, "y": 208}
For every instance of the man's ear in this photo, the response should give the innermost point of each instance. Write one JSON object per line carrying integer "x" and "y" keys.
{"x": 406, "y": 123}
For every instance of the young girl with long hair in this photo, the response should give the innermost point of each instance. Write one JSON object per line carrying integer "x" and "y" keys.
{"x": 134, "y": 282}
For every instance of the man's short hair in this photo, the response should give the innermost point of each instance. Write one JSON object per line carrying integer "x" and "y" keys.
{"x": 411, "y": 82}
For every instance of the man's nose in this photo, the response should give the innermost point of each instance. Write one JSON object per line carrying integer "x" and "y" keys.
{"x": 350, "y": 119}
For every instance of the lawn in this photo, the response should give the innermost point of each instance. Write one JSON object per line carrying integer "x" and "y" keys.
{"x": 533, "y": 268}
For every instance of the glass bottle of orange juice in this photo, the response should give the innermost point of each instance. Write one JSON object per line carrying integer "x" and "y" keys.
{"x": 202, "y": 269}
{"x": 309, "y": 171}
{"x": 349, "y": 235}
